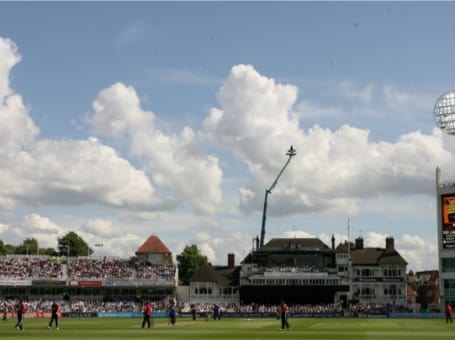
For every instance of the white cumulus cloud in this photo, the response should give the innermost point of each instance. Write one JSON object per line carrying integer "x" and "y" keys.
{"x": 176, "y": 163}
{"x": 102, "y": 228}
{"x": 39, "y": 171}
{"x": 334, "y": 170}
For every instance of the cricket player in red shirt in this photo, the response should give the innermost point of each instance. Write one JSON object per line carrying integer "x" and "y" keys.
{"x": 284, "y": 316}
{"x": 147, "y": 314}
{"x": 448, "y": 313}
{"x": 20, "y": 310}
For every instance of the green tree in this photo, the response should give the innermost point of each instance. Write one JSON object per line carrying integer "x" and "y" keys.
{"x": 10, "y": 249}
{"x": 48, "y": 251}
{"x": 73, "y": 244}
{"x": 2, "y": 248}
{"x": 6, "y": 249}
{"x": 28, "y": 247}
{"x": 188, "y": 262}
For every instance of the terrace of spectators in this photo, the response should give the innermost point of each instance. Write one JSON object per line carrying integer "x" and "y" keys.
{"x": 30, "y": 267}
{"x": 22, "y": 267}
{"x": 161, "y": 305}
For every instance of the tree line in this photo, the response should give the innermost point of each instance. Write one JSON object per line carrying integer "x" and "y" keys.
{"x": 70, "y": 244}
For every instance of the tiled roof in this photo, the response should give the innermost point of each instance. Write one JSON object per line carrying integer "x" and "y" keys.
{"x": 205, "y": 273}
{"x": 222, "y": 275}
{"x": 153, "y": 245}
{"x": 391, "y": 256}
{"x": 376, "y": 256}
{"x": 362, "y": 256}
{"x": 295, "y": 244}
{"x": 366, "y": 256}
{"x": 342, "y": 247}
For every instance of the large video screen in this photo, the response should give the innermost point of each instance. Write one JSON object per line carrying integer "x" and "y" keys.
{"x": 448, "y": 220}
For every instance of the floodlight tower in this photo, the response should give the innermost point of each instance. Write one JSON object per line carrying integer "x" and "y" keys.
{"x": 291, "y": 153}
{"x": 67, "y": 247}
{"x": 444, "y": 112}
{"x": 444, "y": 117}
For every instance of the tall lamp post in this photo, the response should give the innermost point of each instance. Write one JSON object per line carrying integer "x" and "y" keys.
{"x": 67, "y": 247}
{"x": 67, "y": 251}
{"x": 99, "y": 245}
{"x": 291, "y": 153}
{"x": 444, "y": 118}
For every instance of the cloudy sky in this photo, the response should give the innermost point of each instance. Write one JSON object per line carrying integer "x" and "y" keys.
{"x": 123, "y": 120}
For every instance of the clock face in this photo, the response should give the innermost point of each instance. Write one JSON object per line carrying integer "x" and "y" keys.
{"x": 444, "y": 112}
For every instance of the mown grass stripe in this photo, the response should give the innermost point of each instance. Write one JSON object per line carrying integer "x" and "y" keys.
{"x": 233, "y": 329}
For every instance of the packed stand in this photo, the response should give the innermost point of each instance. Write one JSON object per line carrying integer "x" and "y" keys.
{"x": 30, "y": 267}
{"x": 22, "y": 267}
{"x": 377, "y": 309}
{"x": 150, "y": 271}
{"x": 100, "y": 268}
{"x": 98, "y": 305}
{"x": 319, "y": 310}
{"x": 32, "y": 306}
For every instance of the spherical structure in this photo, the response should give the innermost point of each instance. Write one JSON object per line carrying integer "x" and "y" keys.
{"x": 444, "y": 112}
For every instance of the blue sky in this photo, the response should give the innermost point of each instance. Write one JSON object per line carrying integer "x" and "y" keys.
{"x": 123, "y": 120}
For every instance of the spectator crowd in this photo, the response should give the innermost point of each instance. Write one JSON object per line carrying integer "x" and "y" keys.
{"x": 205, "y": 310}
{"x": 150, "y": 271}
{"x": 15, "y": 267}
{"x": 23, "y": 267}
{"x": 99, "y": 268}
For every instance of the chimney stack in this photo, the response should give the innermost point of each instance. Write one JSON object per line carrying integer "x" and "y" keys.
{"x": 359, "y": 243}
{"x": 231, "y": 260}
{"x": 389, "y": 243}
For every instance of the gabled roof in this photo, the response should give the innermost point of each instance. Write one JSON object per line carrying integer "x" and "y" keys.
{"x": 222, "y": 275}
{"x": 153, "y": 245}
{"x": 342, "y": 247}
{"x": 366, "y": 256}
{"x": 376, "y": 256}
{"x": 205, "y": 273}
{"x": 391, "y": 256}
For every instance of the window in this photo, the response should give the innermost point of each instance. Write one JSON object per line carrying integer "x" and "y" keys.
{"x": 449, "y": 291}
{"x": 342, "y": 269}
{"x": 448, "y": 265}
{"x": 367, "y": 291}
{"x": 392, "y": 271}
{"x": 393, "y": 290}
{"x": 365, "y": 272}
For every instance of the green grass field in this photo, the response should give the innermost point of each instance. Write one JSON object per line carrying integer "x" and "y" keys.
{"x": 237, "y": 329}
